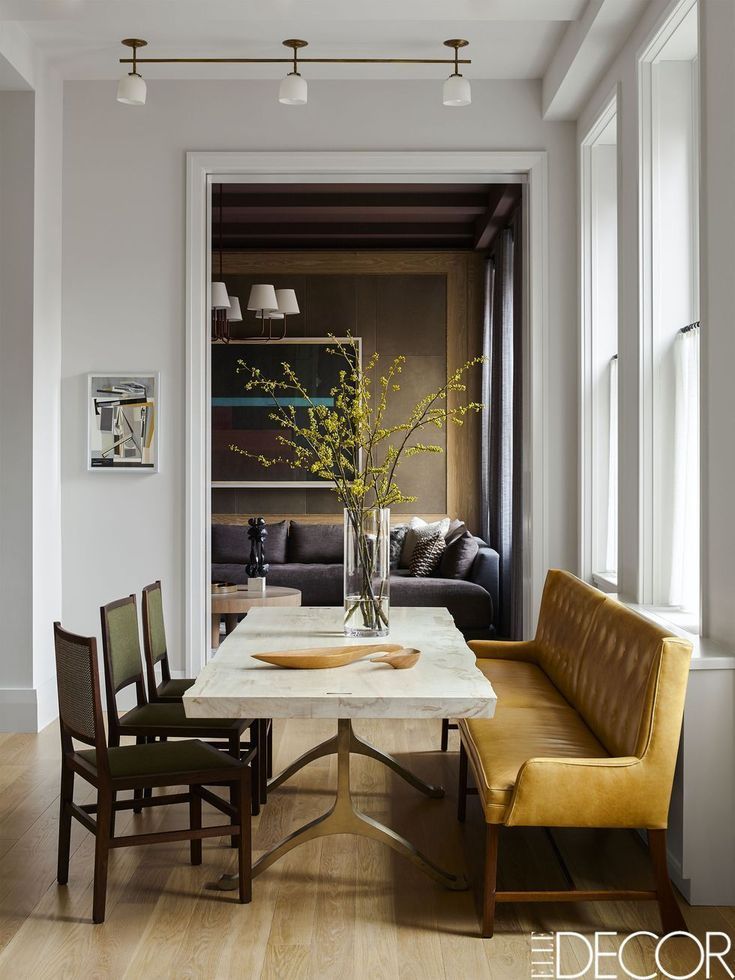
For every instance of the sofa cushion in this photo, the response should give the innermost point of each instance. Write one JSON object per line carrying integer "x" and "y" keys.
{"x": 321, "y": 544}
{"x": 233, "y": 574}
{"x": 426, "y": 556}
{"x": 459, "y": 557}
{"x": 397, "y": 537}
{"x": 320, "y": 585}
{"x": 418, "y": 529}
{"x": 499, "y": 746}
{"x": 231, "y": 545}
{"x": 470, "y": 605}
{"x": 520, "y": 684}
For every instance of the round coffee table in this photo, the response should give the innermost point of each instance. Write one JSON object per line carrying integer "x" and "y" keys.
{"x": 231, "y": 605}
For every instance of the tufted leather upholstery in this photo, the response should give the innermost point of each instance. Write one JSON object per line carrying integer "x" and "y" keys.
{"x": 589, "y": 715}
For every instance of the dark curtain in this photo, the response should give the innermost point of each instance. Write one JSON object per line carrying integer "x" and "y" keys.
{"x": 501, "y": 423}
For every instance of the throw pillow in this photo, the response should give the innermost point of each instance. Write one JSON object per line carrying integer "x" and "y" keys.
{"x": 397, "y": 537}
{"x": 458, "y": 557}
{"x": 418, "y": 529}
{"x": 427, "y": 555}
{"x": 456, "y": 530}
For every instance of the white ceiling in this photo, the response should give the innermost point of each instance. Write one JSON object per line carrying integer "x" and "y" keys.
{"x": 508, "y": 38}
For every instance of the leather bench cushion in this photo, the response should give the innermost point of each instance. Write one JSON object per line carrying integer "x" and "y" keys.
{"x": 497, "y": 748}
{"x": 519, "y": 684}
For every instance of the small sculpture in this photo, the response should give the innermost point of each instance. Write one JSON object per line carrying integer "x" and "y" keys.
{"x": 257, "y": 532}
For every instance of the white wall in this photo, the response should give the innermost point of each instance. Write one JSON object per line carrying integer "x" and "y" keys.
{"x": 123, "y": 247}
{"x": 16, "y": 394}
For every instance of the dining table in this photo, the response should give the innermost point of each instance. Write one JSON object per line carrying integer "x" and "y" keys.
{"x": 444, "y": 683}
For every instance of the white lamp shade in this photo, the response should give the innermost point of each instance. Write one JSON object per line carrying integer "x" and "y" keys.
{"x": 218, "y": 296}
{"x": 131, "y": 90}
{"x": 293, "y": 90}
{"x": 287, "y": 302}
{"x": 457, "y": 91}
{"x": 262, "y": 297}
{"x": 234, "y": 313}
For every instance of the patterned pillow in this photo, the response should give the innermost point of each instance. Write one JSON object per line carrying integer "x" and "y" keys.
{"x": 418, "y": 529}
{"x": 427, "y": 555}
{"x": 397, "y": 537}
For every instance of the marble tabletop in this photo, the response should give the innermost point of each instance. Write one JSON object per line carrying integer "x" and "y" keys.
{"x": 444, "y": 684}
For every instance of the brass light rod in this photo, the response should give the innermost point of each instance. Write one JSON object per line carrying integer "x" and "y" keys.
{"x": 288, "y": 61}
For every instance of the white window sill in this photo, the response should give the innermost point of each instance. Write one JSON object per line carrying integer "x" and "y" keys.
{"x": 606, "y": 581}
{"x": 706, "y": 655}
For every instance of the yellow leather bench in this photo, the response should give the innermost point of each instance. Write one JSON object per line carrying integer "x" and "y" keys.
{"x": 585, "y": 733}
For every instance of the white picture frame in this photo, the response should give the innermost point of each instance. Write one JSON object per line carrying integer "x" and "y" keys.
{"x": 123, "y": 421}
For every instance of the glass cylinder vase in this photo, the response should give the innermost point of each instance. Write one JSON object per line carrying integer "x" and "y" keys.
{"x": 367, "y": 572}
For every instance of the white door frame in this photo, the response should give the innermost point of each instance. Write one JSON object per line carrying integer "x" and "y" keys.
{"x": 207, "y": 168}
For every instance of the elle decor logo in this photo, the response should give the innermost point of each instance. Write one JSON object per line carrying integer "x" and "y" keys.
{"x": 705, "y": 957}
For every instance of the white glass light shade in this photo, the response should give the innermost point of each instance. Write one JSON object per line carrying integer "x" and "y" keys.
{"x": 131, "y": 89}
{"x": 287, "y": 302}
{"x": 262, "y": 297}
{"x": 234, "y": 314}
{"x": 218, "y": 296}
{"x": 293, "y": 90}
{"x": 457, "y": 91}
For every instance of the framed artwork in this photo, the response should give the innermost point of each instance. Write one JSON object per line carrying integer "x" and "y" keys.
{"x": 241, "y": 417}
{"x": 122, "y": 422}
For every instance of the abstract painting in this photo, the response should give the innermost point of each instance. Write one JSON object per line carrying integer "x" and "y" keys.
{"x": 122, "y": 422}
{"x": 242, "y": 418}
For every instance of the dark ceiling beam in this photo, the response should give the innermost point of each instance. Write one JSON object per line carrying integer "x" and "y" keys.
{"x": 349, "y": 212}
{"x": 473, "y": 202}
{"x": 501, "y": 206}
{"x": 348, "y": 230}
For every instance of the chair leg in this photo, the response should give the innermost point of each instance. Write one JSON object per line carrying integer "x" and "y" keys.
{"x": 244, "y": 854}
{"x": 262, "y": 766}
{"x": 234, "y": 751}
{"x": 269, "y": 750}
{"x": 490, "y": 879}
{"x": 101, "y": 852}
{"x": 445, "y": 734}
{"x": 255, "y": 769}
{"x": 139, "y": 792}
{"x": 66, "y": 797}
{"x": 195, "y": 823}
{"x": 672, "y": 919}
{"x": 462, "y": 787}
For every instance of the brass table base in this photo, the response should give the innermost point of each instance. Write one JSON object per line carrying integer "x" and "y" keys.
{"x": 344, "y": 817}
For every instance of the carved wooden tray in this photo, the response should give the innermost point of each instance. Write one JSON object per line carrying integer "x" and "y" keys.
{"x": 318, "y": 658}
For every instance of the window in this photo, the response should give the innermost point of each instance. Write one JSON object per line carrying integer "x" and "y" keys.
{"x": 670, "y": 329}
{"x": 599, "y": 251}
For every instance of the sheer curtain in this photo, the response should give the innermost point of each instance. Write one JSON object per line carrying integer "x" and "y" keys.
{"x": 684, "y": 581}
{"x": 611, "y": 542}
{"x": 501, "y": 470}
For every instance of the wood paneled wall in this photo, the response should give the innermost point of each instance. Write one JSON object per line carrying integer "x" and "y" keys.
{"x": 426, "y": 305}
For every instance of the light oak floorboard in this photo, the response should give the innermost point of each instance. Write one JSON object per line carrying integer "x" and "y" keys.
{"x": 338, "y": 907}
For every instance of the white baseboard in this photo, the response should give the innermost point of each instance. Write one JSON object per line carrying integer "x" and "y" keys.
{"x": 18, "y": 709}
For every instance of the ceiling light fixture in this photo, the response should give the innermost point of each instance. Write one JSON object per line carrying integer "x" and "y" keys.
{"x": 457, "y": 90}
{"x": 293, "y": 88}
{"x": 131, "y": 89}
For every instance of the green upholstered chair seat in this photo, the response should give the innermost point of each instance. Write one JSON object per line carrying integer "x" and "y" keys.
{"x": 174, "y": 689}
{"x": 171, "y": 715}
{"x": 128, "y": 761}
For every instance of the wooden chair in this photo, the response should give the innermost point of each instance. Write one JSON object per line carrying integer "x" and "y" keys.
{"x": 156, "y": 720}
{"x": 190, "y": 763}
{"x": 172, "y": 689}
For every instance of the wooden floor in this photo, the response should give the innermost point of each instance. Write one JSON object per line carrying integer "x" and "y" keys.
{"x": 339, "y": 907}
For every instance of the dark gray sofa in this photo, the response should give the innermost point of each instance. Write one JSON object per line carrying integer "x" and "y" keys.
{"x": 308, "y": 557}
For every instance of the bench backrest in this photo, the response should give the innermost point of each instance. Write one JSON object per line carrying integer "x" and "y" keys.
{"x": 609, "y": 663}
